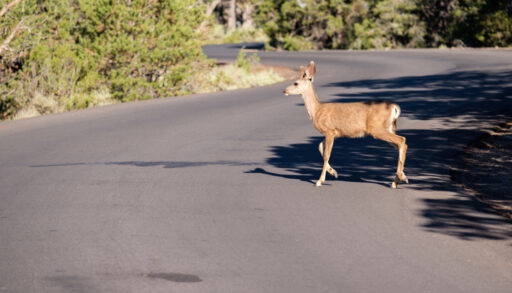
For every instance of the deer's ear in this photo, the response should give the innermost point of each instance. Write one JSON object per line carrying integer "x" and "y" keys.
{"x": 302, "y": 70}
{"x": 311, "y": 70}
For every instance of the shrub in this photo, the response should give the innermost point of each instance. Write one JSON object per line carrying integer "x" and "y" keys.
{"x": 74, "y": 50}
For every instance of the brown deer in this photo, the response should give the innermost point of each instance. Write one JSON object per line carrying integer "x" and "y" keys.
{"x": 375, "y": 118}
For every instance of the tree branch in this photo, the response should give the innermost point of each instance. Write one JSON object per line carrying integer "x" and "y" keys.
{"x": 8, "y": 6}
{"x": 19, "y": 27}
{"x": 210, "y": 7}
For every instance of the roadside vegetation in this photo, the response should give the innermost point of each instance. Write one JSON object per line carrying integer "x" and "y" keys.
{"x": 370, "y": 24}
{"x": 59, "y": 55}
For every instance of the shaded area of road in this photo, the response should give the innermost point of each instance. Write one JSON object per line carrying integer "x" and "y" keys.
{"x": 486, "y": 169}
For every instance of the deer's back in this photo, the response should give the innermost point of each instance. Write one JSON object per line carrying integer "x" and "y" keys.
{"x": 353, "y": 119}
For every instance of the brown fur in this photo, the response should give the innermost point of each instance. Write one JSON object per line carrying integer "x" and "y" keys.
{"x": 375, "y": 118}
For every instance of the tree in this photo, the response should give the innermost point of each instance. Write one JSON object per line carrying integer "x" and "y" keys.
{"x": 334, "y": 24}
{"x": 438, "y": 14}
{"x": 231, "y": 14}
{"x": 297, "y": 25}
{"x": 467, "y": 22}
{"x": 390, "y": 24}
{"x": 246, "y": 9}
{"x": 211, "y": 5}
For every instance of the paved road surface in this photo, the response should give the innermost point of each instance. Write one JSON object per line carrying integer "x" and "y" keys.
{"x": 215, "y": 193}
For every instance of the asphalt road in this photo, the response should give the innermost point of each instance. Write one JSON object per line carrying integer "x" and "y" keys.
{"x": 215, "y": 193}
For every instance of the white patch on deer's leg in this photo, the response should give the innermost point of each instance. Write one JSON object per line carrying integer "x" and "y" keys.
{"x": 395, "y": 182}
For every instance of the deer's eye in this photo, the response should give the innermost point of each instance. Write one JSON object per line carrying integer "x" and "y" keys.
{"x": 296, "y": 84}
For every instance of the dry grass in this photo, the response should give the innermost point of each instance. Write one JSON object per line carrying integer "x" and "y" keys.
{"x": 230, "y": 77}
{"x": 218, "y": 78}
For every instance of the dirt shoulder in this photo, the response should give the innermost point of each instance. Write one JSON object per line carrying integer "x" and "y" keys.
{"x": 286, "y": 72}
{"x": 487, "y": 169}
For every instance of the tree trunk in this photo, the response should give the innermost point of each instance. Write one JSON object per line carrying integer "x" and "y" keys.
{"x": 231, "y": 15}
{"x": 210, "y": 7}
{"x": 247, "y": 12}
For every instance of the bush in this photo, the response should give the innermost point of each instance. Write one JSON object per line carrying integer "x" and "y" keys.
{"x": 476, "y": 23}
{"x": 338, "y": 24}
{"x": 369, "y": 24}
{"x": 76, "y": 54}
{"x": 244, "y": 62}
{"x": 390, "y": 24}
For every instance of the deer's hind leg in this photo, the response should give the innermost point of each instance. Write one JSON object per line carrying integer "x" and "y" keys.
{"x": 399, "y": 143}
{"x": 330, "y": 170}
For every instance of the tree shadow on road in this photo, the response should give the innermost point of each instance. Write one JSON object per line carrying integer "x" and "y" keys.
{"x": 476, "y": 95}
{"x": 459, "y": 103}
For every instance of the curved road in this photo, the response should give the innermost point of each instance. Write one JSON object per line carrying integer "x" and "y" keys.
{"x": 215, "y": 193}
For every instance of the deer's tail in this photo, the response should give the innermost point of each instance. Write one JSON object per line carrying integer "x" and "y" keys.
{"x": 395, "y": 113}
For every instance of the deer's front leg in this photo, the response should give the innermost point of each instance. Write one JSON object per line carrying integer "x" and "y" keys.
{"x": 330, "y": 170}
{"x": 329, "y": 141}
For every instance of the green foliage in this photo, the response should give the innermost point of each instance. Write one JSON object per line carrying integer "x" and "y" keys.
{"x": 378, "y": 24}
{"x": 80, "y": 53}
{"x": 145, "y": 48}
{"x": 292, "y": 25}
{"x": 484, "y": 23}
{"x": 244, "y": 62}
{"x": 389, "y": 24}
{"x": 72, "y": 54}
{"x": 477, "y": 23}
{"x": 241, "y": 61}
{"x": 358, "y": 24}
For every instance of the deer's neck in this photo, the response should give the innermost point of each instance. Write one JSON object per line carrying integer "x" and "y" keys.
{"x": 311, "y": 102}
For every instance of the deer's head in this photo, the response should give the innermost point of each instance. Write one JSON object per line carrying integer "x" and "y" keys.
{"x": 304, "y": 82}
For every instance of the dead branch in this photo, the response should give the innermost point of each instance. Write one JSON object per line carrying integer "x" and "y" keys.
{"x": 19, "y": 28}
{"x": 210, "y": 7}
{"x": 8, "y": 6}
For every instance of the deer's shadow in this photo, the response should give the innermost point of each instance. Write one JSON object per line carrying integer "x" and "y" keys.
{"x": 373, "y": 161}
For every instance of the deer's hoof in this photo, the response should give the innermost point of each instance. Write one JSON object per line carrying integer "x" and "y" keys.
{"x": 333, "y": 172}
{"x": 319, "y": 183}
{"x": 393, "y": 185}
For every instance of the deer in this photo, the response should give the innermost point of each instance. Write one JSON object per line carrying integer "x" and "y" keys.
{"x": 351, "y": 119}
